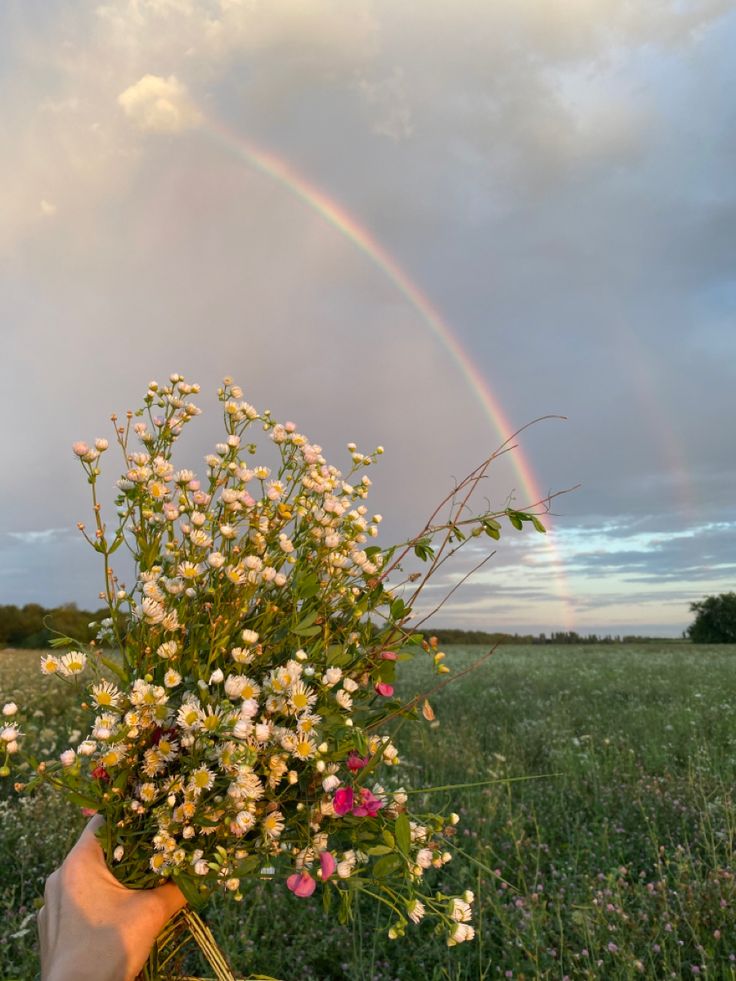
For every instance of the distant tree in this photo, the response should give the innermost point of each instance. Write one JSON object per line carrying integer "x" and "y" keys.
{"x": 715, "y": 620}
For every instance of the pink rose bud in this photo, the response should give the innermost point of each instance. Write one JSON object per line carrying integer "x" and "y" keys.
{"x": 327, "y": 864}
{"x": 80, "y": 448}
{"x": 343, "y": 800}
{"x": 383, "y": 688}
{"x": 369, "y": 804}
{"x": 388, "y": 655}
{"x": 356, "y": 762}
{"x": 301, "y": 884}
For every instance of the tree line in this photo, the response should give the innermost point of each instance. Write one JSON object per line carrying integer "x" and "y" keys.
{"x": 457, "y": 636}
{"x": 34, "y": 626}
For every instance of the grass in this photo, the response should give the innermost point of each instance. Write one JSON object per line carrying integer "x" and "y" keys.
{"x": 618, "y": 862}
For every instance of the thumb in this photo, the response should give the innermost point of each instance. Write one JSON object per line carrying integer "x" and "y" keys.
{"x": 170, "y": 897}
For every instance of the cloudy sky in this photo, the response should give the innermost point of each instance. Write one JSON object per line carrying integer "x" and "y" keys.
{"x": 420, "y": 223}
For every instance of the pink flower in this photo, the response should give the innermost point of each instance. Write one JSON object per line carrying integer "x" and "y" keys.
{"x": 80, "y": 448}
{"x": 356, "y": 762}
{"x": 301, "y": 884}
{"x": 88, "y": 811}
{"x": 369, "y": 805}
{"x": 383, "y": 688}
{"x": 343, "y": 800}
{"x": 388, "y": 655}
{"x": 327, "y": 864}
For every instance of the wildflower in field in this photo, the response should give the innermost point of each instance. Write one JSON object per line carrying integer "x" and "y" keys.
{"x": 273, "y": 824}
{"x": 369, "y": 805}
{"x": 328, "y": 865}
{"x": 113, "y": 755}
{"x": 72, "y": 664}
{"x": 343, "y": 800}
{"x": 301, "y": 884}
{"x": 201, "y": 779}
{"x": 10, "y": 734}
{"x": 460, "y": 934}
{"x": 106, "y": 694}
{"x": 415, "y": 910}
{"x": 460, "y": 910}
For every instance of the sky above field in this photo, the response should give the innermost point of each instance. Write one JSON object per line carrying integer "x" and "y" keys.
{"x": 420, "y": 224}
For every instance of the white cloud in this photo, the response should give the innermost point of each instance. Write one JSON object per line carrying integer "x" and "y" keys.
{"x": 387, "y": 98}
{"x": 159, "y": 105}
{"x": 43, "y": 536}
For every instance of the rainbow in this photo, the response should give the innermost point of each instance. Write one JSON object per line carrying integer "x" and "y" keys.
{"x": 277, "y": 169}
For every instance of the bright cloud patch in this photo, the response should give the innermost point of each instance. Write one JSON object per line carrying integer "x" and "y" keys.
{"x": 159, "y": 105}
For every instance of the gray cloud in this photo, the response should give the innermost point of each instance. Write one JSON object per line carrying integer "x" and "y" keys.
{"x": 546, "y": 174}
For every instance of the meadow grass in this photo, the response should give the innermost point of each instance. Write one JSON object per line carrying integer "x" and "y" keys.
{"x": 615, "y": 861}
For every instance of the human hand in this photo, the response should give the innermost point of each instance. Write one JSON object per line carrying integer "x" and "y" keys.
{"x": 93, "y": 928}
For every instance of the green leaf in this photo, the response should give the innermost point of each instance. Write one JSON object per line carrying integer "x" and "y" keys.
{"x": 62, "y": 641}
{"x": 380, "y": 850}
{"x": 307, "y": 631}
{"x": 306, "y": 621}
{"x": 423, "y": 549}
{"x": 308, "y": 586}
{"x": 402, "y": 830}
{"x": 457, "y": 534}
{"x": 326, "y": 900}
{"x": 114, "y": 667}
{"x": 387, "y": 865}
{"x": 337, "y": 656}
{"x": 398, "y": 609}
{"x": 249, "y": 865}
{"x": 190, "y": 889}
{"x": 537, "y": 524}
{"x": 515, "y": 520}
{"x": 492, "y": 528}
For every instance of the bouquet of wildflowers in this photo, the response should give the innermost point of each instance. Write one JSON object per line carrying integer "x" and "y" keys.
{"x": 240, "y": 692}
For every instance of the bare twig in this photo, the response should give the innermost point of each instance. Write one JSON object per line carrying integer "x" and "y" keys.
{"x": 457, "y": 585}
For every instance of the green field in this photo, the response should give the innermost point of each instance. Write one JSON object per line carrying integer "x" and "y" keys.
{"x": 617, "y": 861}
